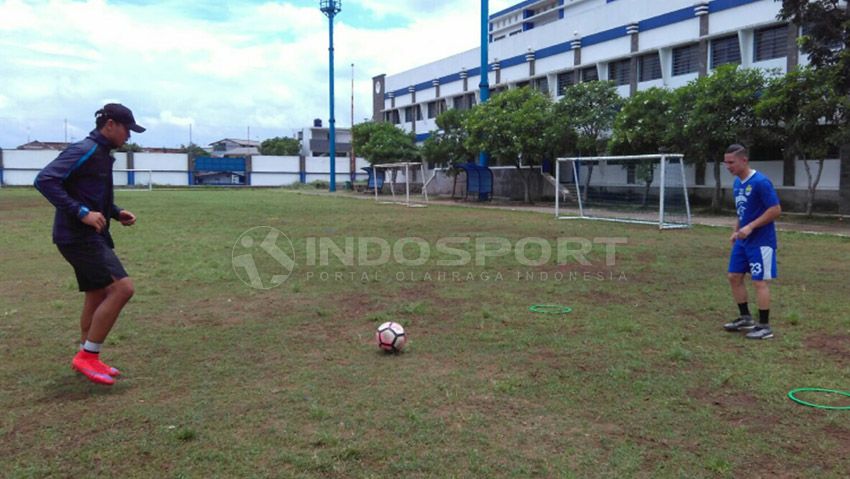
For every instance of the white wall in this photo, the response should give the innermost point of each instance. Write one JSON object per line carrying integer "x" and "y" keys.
{"x": 21, "y": 166}
{"x": 828, "y": 179}
{"x": 167, "y": 168}
{"x": 171, "y": 169}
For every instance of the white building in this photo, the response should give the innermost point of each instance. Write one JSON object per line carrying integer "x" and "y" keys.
{"x": 315, "y": 141}
{"x": 235, "y": 147}
{"x": 550, "y": 44}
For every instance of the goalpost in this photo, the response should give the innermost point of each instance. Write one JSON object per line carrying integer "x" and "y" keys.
{"x": 132, "y": 179}
{"x": 406, "y": 168}
{"x": 642, "y": 189}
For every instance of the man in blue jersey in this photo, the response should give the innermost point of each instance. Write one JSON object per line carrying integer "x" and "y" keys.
{"x": 79, "y": 184}
{"x": 753, "y": 242}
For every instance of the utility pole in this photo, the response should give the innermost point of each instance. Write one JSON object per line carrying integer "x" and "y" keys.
{"x": 353, "y": 164}
{"x": 484, "y": 85}
{"x": 330, "y": 8}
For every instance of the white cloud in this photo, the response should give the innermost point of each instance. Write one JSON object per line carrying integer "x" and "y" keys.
{"x": 262, "y": 66}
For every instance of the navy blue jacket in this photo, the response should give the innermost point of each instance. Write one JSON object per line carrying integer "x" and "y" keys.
{"x": 77, "y": 181}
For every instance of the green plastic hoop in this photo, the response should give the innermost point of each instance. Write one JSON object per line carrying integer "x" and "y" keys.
{"x": 549, "y": 309}
{"x": 792, "y": 396}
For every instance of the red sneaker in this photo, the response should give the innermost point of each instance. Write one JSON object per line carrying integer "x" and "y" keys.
{"x": 114, "y": 372}
{"x": 90, "y": 366}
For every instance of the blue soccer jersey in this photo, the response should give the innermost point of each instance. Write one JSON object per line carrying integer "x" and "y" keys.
{"x": 753, "y": 197}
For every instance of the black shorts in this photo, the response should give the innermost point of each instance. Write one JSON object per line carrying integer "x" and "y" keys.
{"x": 95, "y": 264}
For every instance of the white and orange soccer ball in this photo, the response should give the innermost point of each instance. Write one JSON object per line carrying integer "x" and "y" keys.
{"x": 390, "y": 337}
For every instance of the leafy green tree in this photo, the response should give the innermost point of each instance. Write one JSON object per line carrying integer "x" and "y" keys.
{"x": 589, "y": 109}
{"x": 383, "y": 143}
{"x": 194, "y": 150}
{"x": 129, "y": 147}
{"x": 447, "y": 144}
{"x": 715, "y": 111}
{"x": 510, "y": 128}
{"x": 280, "y": 146}
{"x": 800, "y": 110}
{"x": 827, "y": 43}
{"x": 641, "y": 128}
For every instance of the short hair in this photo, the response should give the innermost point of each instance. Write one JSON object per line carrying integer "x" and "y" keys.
{"x": 737, "y": 149}
{"x": 100, "y": 119}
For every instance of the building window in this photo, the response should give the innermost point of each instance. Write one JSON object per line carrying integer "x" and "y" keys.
{"x": 620, "y": 72}
{"x": 412, "y": 113}
{"x": 432, "y": 109}
{"x": 686, "y": 59}
{"x": 396, "y": 118}
{"x": 565, "y": 79}
{"x": 464, "y": 102}
{"x": 436, "y": 107}
{"x": 458, "y": 103}
{"x": 589, "y": 74}
{"x": 649, "y": 67}
{"x": 771, "y": 42}
{"x": 542, "y": 85}
{"x": 522, "y": 84}
{"x": 725, "y": 50}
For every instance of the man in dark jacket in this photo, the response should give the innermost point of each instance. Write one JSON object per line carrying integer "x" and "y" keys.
{"x": 79, "y": 184}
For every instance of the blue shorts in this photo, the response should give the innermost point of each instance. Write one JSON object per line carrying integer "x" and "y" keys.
{"x": 759, "y": 261}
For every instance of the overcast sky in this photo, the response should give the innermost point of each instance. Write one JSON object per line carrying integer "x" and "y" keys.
{"x": 221, "y": 67}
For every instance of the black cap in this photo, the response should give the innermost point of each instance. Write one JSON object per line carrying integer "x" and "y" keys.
{"x": 121, "y": 114}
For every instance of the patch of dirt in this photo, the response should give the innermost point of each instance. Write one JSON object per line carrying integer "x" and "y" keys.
{"x": 839, "y": 433}
{"x": 736, "y": 408}
{"x": 836, "y": 347}
{"x": 23, "y": 203}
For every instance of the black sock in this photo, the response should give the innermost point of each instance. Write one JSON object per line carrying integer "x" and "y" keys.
{"x": 764, "y": 316}
{"x": 744, "y": 309}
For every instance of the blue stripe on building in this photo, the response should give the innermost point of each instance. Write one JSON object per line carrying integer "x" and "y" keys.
{"x": 553, "y": 50}
{"x": 666, "y": 19}
{"x": 720, "y": 5}
{"x": 604, "y": 36}
{"x": 511, "y": 9}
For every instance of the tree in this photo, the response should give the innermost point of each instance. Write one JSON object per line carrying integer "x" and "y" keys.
{"x": 827, "y": 42}
{"x": 589, "y": 109}
{"x": 194, "y": 150}
{"x": 280, "y": 146}
{"x": 130, "y": 147}
{"x": 641, "y": 128}
{"x": 446, "y": 145}
{"x": 383, "y": 143}
{"x": 716, "y": 111}
{"x": 510, "y": 127}
{"x": 799, "y": 109}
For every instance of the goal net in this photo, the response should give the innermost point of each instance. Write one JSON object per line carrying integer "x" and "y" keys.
{"x": 410, "y": 176}
{"x": 644, "y": 189}
{"x": 132, "y": 180}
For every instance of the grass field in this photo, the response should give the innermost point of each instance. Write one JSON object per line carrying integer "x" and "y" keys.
{"x": 225, "y": 380}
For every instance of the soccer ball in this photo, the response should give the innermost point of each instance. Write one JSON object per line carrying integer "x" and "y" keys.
{"x": 390, "y": 337}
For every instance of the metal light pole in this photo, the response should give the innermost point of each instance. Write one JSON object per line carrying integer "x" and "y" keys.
{"x": 330, "y": 8}
{"x": 484, "y": 85}
{"x": 353, "y": 163}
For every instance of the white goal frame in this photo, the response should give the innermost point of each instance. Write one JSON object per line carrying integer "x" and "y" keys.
{"x": 662, "y": 222}
{"x": 406, "y": 167}
{"x": 135, "y": 171}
